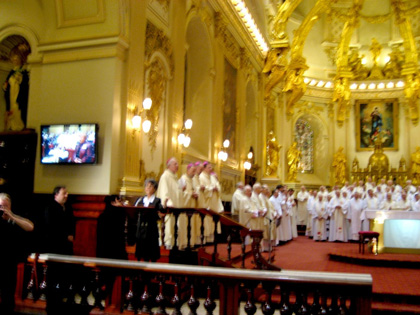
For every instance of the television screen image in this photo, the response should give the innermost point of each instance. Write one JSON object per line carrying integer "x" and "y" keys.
{"x": 69, "y": 144}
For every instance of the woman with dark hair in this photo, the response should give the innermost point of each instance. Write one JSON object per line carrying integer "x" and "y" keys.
{"x": 147, "y": 234}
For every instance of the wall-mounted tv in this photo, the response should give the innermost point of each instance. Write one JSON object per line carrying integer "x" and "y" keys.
{"x": 69, "y": 144}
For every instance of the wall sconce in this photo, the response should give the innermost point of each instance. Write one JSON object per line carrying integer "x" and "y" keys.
{"x": 184, "y": 134}
{"x": 136, "y": 120}
{"x": 250, "y": 159}
{"x": 223, "y": 155}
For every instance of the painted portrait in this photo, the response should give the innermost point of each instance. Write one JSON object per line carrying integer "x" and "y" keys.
{"x": 377, "y": 119}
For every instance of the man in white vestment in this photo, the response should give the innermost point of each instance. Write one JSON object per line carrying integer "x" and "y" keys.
{"x": 382, "y": 184}
{"x": 356, "y": 207}
{"x": 345, "y": 187}
{"x": 338, "y": 223}
{"x": 360, "y": 188}
{"x": 371, "y": 203}
{"x": 189, "y": 200}
{"x": 278, "y": 214}
{"x": 310, "y": 209}
{"x": 410, "y": 190}
{"x": 199, "y": 189}
{"x": 284, "y": 230}
{"x": 320, "y": 216}
{"x": 379, "y": 194}
{"x": 415, "y": 205}
{"x": 212, "y": 199}
{"x": 401, "y": 204}
{"x": 302, "y": 211}
{"x": 268, "y": 219}
{"x": 169, "y": 193}
{"x": 369, "y": 184}
{"x": 236, "y": 198}
{"x": 291, "y": 206}
{"x": 387, "y": 202}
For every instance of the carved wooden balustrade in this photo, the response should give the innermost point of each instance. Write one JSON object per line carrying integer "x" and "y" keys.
{"x": 78, "y": 285}
{"x": 232, "y": 231}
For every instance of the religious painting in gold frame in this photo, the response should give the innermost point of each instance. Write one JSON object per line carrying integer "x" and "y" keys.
{"x": 376, "y": 119}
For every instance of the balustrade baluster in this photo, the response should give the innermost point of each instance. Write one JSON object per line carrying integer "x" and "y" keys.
{"x": 146, "y": 301}
{"x": 216, "y": 222}
{"x": 84, "y": 293}
{"x": 70, "y": 295}
{"x": 189, "y": 216}
{"x": 250, "y": 307}
{"x": 333, "y": 308}
{"x": 202, "y": 229}
{"x": 267, "y": 308}
{"x": 193, "y": 303}
{"x": 323, "y": 310}
{"x": 342, "y": 310}
{"x": 315, "y": 304}
{"x": 229, "y": 245}
{"x": 176, "y": 301}
{"x": 209, "y": 303}
{"x": 97, "y": 291}
{"x": 43, "y": 285}
{"x": 243, "y": 250}
{"x": 175, "y": 246}
{"x": 304, "y": 309}
{"x": 32, "y": 284}
{"x": 160, "y": 299}
{"x": 284, "y": 303}
{"x": 129, "y": 297}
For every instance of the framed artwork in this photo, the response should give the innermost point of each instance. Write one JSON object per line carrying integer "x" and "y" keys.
{"x": 376, "y": 119}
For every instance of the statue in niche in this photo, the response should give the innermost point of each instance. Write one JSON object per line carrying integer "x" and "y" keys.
{"x": 273, "y": 149}
{"x": 16, "y": 89}
{"x": 415, "y": 166}
{"x": 339, "y": 166}
{"x": 293, "y": 159}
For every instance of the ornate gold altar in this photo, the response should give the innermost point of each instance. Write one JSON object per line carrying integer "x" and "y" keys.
{"x": 378, "y": 168}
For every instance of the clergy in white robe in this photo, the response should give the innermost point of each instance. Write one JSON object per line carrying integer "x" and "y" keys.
{"x": 356, "y": 207}
{"x": 170, "y": 195}
{"x": 212, "y": 199}
{"x": 387, "y": 203}
{"x": 268, "y": 223}
{"x": 310, "y": 209}
{"x": 320, "y": 216}
{"x": 189, "y": 200}
{"x": 415, "y": 205}
{"x": 291, "y": 205}
{"x": 236, "y": 198}
{"x": 401, "y": 204}
{"x": 278, "y": 214}
{"x": 302, "y": 211}
{"x": 284, "y": 230}
{"x": 338, "y": 219}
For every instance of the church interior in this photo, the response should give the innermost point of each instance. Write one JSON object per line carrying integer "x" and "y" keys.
{"x": 294, "y": 92}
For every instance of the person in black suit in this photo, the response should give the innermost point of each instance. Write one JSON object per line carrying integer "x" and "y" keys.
{"x": 147, "y": 233}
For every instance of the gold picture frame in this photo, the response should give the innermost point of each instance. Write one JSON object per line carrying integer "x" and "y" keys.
{"x": 376, "y": 118}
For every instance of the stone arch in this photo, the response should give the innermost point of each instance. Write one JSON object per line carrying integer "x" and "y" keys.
{"x": 199, "y": 85}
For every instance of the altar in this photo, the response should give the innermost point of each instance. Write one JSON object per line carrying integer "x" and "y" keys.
{"x": 399, "y": 230}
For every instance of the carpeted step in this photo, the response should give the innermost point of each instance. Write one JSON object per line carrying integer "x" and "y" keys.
{"x": 384, "y": 308}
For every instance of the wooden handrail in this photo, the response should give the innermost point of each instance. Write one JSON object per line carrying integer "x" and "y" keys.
{"x": 225, "y": 286}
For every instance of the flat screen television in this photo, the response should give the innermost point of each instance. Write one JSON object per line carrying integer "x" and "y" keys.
{"x": 69, "y": 144}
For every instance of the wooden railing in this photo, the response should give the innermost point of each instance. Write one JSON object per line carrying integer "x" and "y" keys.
{"x": 232, "y": 229}
{"x": 79, "y": 285}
